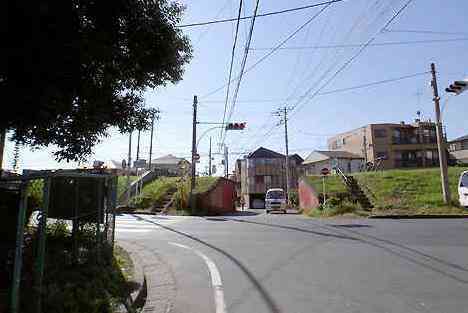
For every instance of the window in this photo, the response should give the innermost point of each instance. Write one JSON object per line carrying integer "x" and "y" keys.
{"x": 344, "y": 141}
{"x": 380, "y": 133}
{"x": 259, "y": 179}
{"x": 464, "y": 181}
{"x": 268, "y": 181}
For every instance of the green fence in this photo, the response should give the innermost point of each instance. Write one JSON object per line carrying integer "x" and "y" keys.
{"x": 64, "y": 221}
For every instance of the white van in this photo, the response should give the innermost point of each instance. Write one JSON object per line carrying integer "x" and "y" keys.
{"x": 275, "y": 200}
{"x": 463, "y": 189}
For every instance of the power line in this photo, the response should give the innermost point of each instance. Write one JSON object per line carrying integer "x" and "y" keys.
{"x": 422, "y": 32}
{"x": 391, "y": 43}
{"x": 230, "y": 67}
{"x": 272, "y": 51}
{"x": 259, "y": 15}
{"x": 386, "y": 81}
{"x": 353, "y": 57}
{"x": 244, "y": 61}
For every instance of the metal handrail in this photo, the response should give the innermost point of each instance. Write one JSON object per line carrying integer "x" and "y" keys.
{"x": 340, "y": 172}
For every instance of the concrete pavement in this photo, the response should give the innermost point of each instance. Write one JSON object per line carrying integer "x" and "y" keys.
{"x": 290, "y": 263}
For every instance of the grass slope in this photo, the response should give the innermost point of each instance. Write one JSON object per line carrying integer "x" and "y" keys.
{"x": 416, "y": 191}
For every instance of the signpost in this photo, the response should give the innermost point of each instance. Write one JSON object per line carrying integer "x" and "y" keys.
{"x": 325, "y": 172}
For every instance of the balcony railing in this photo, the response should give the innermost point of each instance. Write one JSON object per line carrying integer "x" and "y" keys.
{"x": 413, "y": 140}
{"x": 418, "y": 162}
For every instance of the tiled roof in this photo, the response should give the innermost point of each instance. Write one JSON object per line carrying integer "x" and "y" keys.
{"x": 264, "y": 153}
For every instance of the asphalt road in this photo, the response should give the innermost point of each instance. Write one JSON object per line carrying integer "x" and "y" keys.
{"x": 289, "y": 263}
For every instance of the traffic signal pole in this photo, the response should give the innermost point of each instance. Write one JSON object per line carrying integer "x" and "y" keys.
{"x": 440, "y": 140}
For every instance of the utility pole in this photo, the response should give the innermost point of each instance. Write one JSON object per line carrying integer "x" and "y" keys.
{"x": 440, "y": 140}
{"x": 209, "y": 161}
{"x": 129, "y": 166}
{"x": 2, "y": 148}
{"x": 138, "y": 145}
{"x": 151, "y": 141}
{"x": 285, "y": 117}
{"x": 364, "y": 148}
{"x": 194, "y": 145}
{"x": 226, "y": 162}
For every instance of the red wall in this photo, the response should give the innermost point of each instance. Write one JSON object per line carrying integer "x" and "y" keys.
{"x": 220, "y": 199}
{"x": 308, "y": 197}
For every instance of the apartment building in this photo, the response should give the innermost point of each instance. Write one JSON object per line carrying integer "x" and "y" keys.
{"x": 264, "y": 169}
{"x": 458, "y": 149}
{"x": 390, "y": 145}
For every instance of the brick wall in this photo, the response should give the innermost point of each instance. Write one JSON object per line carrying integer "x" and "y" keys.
{"x": 220, "y": 199}
{"x": 308, "y": 197}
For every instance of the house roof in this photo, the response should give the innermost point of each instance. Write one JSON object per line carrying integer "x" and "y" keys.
{"x": 298, "y": 158}
{"x": 167, "y": 159}
{"x": 462, "y": 138}
{"x": 264, "y": 153}
{"x": 317, "y": 156}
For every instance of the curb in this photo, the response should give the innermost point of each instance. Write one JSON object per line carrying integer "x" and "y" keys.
{"x": 136, "y": 212}
{"x": 159, "y": 287}
{"x": 427, "y": 216}
{"x": 138, "y": 296}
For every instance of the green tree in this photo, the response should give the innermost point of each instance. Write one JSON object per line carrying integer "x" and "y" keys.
{"x": 70, "y": 70}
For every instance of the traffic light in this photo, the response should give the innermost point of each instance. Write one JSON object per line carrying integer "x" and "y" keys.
{"x": 235, "y": 126}
{"x": 458, "y": 87}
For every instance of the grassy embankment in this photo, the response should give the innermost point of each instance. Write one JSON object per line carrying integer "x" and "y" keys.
{"x": 154, "y": 193}
{"x": 415, "y": 191}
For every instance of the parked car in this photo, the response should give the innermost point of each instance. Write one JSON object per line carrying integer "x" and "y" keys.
{"x": 463, "y": 189}
{"x": 275, "y": 200}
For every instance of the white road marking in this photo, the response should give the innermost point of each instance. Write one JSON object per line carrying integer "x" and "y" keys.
{"x": 215, "y": 278}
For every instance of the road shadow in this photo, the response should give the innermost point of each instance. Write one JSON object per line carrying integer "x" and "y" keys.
{"x": 242, "y": 213}
{"x": 302, "y": 230}
{"x": 266, "y": 297}
{"x": 408, "y": 257}
{"x": 216, "y": 219}
{"x": 350, "y": 225}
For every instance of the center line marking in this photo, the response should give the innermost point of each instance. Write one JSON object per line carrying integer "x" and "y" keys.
{"x": 215, "y": 278}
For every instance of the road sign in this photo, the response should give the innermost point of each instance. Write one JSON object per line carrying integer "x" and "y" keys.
{"x": 325, "y": 171}
{"x": 141, "y": 163}
{"x": 196, "y": 157}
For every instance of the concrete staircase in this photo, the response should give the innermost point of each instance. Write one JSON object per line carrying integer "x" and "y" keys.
{"x": 357, "y": 194}
{"x": 168, "y": 199}
{"x": 146, "y": 178}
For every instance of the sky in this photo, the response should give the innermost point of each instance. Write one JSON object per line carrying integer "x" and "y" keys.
{"x": 296, "y": 76}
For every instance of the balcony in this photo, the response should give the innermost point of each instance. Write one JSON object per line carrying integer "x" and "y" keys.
{"x": 418, "y": 162}
{"x": 413, "y": 140}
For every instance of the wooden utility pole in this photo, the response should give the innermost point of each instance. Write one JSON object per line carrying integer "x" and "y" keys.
{"x": 2, "y": 148}
{"x": 226, "y": 161}
{"x": 440, "y": 140}
{"x": 194, "y": 145}
{"x": 151, "y": 141}
{"x": 285, "y": 117}
{"x": 129, "y": 166}
{"x": 138, "y": 145}
{"x": 209, "y": 161}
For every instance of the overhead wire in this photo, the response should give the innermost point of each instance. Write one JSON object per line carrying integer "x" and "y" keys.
{"x": 422, "y": 32}
{"x": 349, "y": 61}
{"x": 243, "y": 63}
{"x": 297, "y": 106}
{"x": 391, "y": 43}
{"x": 233, "y": 52}
{"x": 259, "y": 15}
{"x": 267, "y": 55}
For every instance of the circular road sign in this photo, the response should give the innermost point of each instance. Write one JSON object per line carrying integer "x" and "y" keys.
{"x": 325, "y": 171}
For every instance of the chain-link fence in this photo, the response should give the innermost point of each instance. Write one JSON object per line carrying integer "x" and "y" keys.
{"x": 59, "y": 229}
